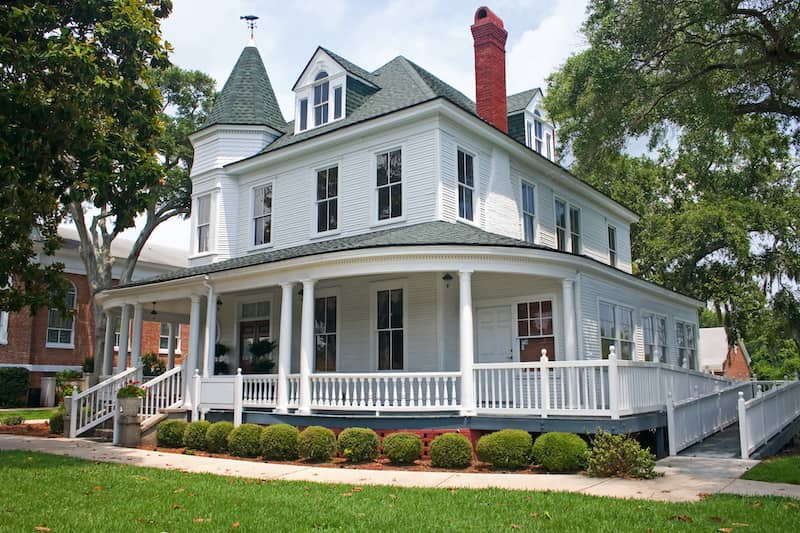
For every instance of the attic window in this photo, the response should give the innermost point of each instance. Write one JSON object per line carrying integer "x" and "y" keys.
{"x": 321, "y": 97}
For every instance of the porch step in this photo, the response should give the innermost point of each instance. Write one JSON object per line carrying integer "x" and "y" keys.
{"x": 102, "y": 434}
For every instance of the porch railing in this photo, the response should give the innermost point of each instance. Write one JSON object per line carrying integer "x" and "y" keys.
{"x": 163, "y": 392}
{"x": 395, "y": 391}
{"x": 97, "y": 404}
{"x": 766, "y": 415}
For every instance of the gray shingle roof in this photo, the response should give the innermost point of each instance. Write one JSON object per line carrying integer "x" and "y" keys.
{"x": 349, "y": 66}
{"x": 247, "y": 97}
{"x": 422, "y": 234}
{"x": 518, "y": 102}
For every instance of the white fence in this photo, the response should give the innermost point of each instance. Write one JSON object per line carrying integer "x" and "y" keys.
{"x": 766, "y": 415}
{"x": 691, "y": 420}
{"x": 239, "y": 391}
{"x": 97, "y": 404}
{"x": 163, "y": 392}
{"x": 396, "y": 391}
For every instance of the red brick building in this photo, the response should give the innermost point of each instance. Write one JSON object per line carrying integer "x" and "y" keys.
{"x": 47, "y": 342}
{"x": 720, "y": 357}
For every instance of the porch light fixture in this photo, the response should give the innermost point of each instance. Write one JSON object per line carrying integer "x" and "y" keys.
{"x": 154, "y": 312}
{"x": 447, "y": 278}
{"x": 219, "y": 303}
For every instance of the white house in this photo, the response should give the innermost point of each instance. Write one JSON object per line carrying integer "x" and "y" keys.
{"x": 411, "y": 251}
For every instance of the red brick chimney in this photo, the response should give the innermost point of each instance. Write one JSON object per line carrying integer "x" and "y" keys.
{"x": 490, "y": 68}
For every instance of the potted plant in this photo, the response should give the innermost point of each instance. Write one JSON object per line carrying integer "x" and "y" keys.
{"x": 221, "y": 365}
{"x": 152, "y": 365}
{"x": 130, "y": 398}
{"x": 262, "y": 360}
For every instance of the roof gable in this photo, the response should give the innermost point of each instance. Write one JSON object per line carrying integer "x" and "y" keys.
{"x": 324, "y": 55}
{"x": 519, "y": 102}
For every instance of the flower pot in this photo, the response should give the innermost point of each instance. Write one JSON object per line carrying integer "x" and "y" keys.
{"x": 129, "y": 406}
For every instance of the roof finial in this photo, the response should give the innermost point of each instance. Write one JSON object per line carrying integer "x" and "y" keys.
{"x": 250, "y": 20}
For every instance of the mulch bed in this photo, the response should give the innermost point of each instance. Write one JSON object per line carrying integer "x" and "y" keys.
{"x": 382, "y": 463}
{"x": 28, "y": 430}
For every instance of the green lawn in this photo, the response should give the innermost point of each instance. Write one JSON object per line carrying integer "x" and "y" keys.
{"x": 28, "y": 414}
{"x": 778, "y": 470}
{"x": 65, "y": 494}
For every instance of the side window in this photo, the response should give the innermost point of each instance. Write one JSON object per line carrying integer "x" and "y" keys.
{"x": 61, "y": 326}
{"x": 616, "y": 329}
{"x": 685, "y": 336}
{"x": 612, "y": 246}
{"x": 561, "y": 225}
{"x": 389, "y": 185}
{"x": 575, "y": 229}
{"x": 203, "y": 223}
{"x": 529, "y": 211}
{"x": 327, "y": 199}
{"x": 262, "y": 215}
{"x": 466, "y": 186}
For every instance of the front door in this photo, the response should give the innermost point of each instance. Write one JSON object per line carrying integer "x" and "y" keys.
{"x": 494, "y": 335}
{"x": 250, "y": 332}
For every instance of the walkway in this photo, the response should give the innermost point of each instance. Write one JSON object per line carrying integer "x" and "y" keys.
{"x": 685, "y": 479}
{"x": 721, "y": 445}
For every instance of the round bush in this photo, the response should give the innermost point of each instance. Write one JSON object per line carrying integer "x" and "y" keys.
{"x": 560, "y": 452}
{"x": 451, "y": 450}
{"x": 57, "y": 421}
{"x": 279, "y": 442}
{"x": 217, "y": 437}
{"x": 508, "y": 448}
{"x": 195, "y": 436}
{"x": 316, "y": 443}
{"x": 402, "y": 448}
{"x": 170, "y": 433}
{"x": 245, "y": 441}
{"x": 359, "y": 445}
{"x": 620, "y": 456}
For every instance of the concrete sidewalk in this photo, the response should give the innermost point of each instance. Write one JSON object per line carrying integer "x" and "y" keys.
{"x": 685, "y": 478}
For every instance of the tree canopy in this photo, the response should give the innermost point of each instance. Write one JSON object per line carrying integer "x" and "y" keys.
{"x": 80, "y": 119}
{"x": 711, "y": 88}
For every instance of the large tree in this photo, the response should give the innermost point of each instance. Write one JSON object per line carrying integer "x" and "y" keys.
{"x": 712, "y": 88}
{"x": 79, "y": 118}
{"x": 186, "y": 97}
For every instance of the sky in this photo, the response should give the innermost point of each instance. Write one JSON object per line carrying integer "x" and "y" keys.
{"x": 207, "y": 35}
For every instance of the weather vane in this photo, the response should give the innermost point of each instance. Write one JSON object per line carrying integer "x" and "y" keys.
{"x": 250, "y": 20}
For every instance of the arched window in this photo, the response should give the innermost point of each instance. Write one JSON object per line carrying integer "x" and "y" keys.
{"x": 61, "y": 326}
{"x": 321, "y": 96}
{"x": 322, "y": 74}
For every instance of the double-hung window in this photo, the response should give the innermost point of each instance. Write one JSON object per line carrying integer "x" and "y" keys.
{"x": 303, "y": 114}
{"x": 327, "y": 199}
{"x": 561, "y": 225}
{"x": 321, "y": 90}
{"x": 568, "y": 227}
{"x": 575, "y": 229}
{"x": 466, "y": 186}
{"x": 3, "y": 327}
{"x": 685, "y": 337}
{"x": 529, "y": 211}
{"x": 654, "y": 331}
{"x": 390, "y": 329}
{"x": 535, "y": 330}
{"x": 616, "y": 329}
{"x": 538, "y": 130}
{"x": 163, "y": 337}
{"x": 612, "y": 246}
{"x": 389, "y": 185}
{"x": 262, "y": 214}
{"x": 61, "y": 326}
{"x": 325, "y": 334}
{"x": 203, "y": 223}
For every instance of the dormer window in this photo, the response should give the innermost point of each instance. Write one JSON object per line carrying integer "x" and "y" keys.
{"x": 321, "y": 90}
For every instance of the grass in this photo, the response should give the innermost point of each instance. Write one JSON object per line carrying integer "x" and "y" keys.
{"x": 66, "y": 494}
{"x": 28, "y": 414}
{"x": 784, "y": 469}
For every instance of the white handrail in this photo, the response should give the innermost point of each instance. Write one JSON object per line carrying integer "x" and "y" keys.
{"x": 386, "y": 391}
{"x": 163, "y": 392}
{"x": 97, "y": 404}
{"x": 764, "y": 416}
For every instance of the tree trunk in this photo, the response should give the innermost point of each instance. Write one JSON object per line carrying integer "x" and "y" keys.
{"x": 99, "y": 318}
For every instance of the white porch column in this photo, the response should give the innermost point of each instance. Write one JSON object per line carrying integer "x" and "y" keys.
{"x": 466, "y": 342}
{"x": 108, "y": 346}
{"x": 172, "y": 330}
{"x": 124, "y": 330}
{"x": 211, "y": 332}
{"x": 570, "y": 320}
{"x": 306, "y": 346}
{"x": 285, "y": 347}
{"x": 190, "y": 361}
{"x": 136, "y": 342}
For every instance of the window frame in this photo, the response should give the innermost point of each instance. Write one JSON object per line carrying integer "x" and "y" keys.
{"x": 240, "y": 302}
{"x": 692, "y": 360}
{"x": 315, "y": 231}
{"x": 534, "y": 224}
{"x": 63, "y": 345}
{"x": 554, "y": 324}
{"x": 664, "y": 348}
{"x": 460, "y": 150}
{"x": 617, "y": 308}
{"x": 338, "y": 101}
{"x": 375, "y": 288}
{"x": 374, "y": 197}
{"x": 252, "y": 217}
{"x": 569, "y": 235}
{"x": 572, "y": 234}
{"x": 538, "y": 136}
{"x": 529, "y": 133}
{"x": 329, "y": 293}
{"x": 4, "y": 318}
{"x": 613, "y": 252}
{"x": 165, "y": 350}
{"x": 302, "y": 114}
{"x": 198, "y": 226}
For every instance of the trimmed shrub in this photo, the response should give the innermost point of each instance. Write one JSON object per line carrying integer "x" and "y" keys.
{"x": 245, "y": 441}
{"x": 13, "y": 386}
{"x": 316, "y": 443}
{"x": 402, "y": 448}
{"x": 560, "y": 452}
{"x": 619, "y": 456}
{"x": 170, "y": 433}
{"x": 359, "y": 445}
{"x": 451, "y": 450}
{"x": 57, "y": 420}
{"x": 12, "y": 420}
{"x": 508, "y": 449}
{"x": 279, "y": 442}
{"x": 217, "y": 436}
{"x": 195, "y": 436}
